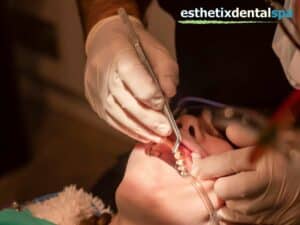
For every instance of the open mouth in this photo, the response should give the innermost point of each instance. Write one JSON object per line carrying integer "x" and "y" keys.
{"x": 163, "y": 151}
{"x": 199, "y": 140}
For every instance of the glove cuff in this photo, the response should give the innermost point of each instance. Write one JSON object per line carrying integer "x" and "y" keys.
{"x": 112, "y": 21}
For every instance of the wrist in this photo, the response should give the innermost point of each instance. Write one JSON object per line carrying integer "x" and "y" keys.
{"x": 113, "y": 22}
{"x": 100, "y": 10}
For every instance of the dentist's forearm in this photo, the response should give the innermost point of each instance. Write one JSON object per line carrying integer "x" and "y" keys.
{"x": 94, "y": 10}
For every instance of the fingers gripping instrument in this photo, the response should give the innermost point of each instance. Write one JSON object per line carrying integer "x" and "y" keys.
{"x": 166, "y": 108}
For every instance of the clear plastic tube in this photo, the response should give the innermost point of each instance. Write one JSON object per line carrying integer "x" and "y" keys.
{"x": 206, "y": 201}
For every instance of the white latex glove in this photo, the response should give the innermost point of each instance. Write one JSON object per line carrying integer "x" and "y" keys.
{"x": 263, "y": 192}
{"x": 118, "y": 86}
{"x": 287, "y": 52}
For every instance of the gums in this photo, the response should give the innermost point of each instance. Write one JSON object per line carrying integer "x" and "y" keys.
{"x": 163, "y": 151}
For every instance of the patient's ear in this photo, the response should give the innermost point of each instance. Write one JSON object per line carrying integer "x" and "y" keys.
{"x": 104, "y": 219}
{"x": 90, "y": 221}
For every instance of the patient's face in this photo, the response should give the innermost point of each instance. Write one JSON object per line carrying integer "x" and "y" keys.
{"x": 152, "y": 192}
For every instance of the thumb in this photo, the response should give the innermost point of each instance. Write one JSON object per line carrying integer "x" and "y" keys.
{"x": 241, "y": 135}
{"x": 226, "y": 164}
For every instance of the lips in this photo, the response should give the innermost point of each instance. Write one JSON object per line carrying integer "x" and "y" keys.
{"x": 163, "y": 151}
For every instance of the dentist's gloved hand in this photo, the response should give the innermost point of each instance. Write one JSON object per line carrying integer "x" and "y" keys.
{"x": 266, "y": 191}
{"x": 118, "y": 86}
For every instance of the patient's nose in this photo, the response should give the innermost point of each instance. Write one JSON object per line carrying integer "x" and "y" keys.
{"x": 190, "y": 127}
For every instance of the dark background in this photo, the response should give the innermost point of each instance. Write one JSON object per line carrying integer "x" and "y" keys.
{"x": 50, "y": 137}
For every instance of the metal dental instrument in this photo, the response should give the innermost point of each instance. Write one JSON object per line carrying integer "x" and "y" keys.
{"x": 166, "y": 108}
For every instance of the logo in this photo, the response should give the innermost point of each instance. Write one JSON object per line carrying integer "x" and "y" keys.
{"x": 232, "y": 16}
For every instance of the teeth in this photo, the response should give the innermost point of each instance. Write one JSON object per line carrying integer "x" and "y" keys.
{"x": 183, "y": 173}
{"x": 195, "y": 164}
{"x": 177, "y": 155}
{"x": 179, "y": 162}
{"x": 181, "y": 168}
